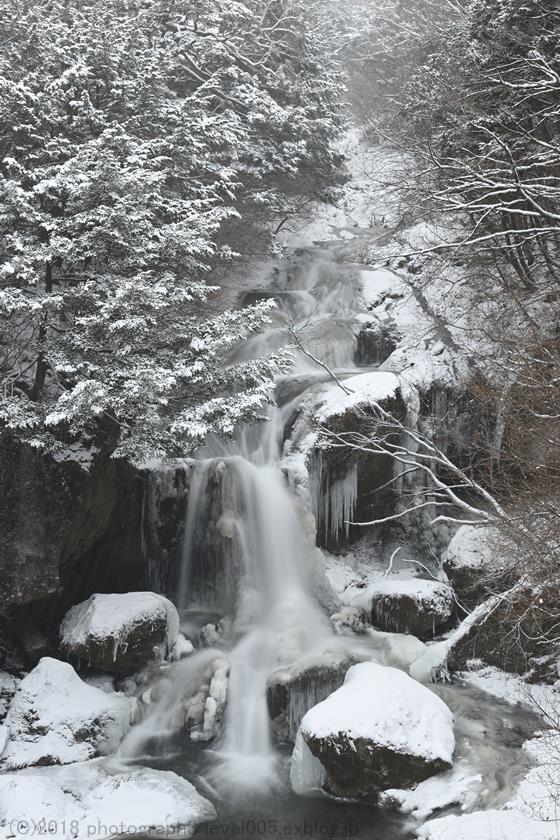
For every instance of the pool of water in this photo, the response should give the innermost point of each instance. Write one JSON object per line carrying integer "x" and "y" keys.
{"x": 279, "y": 812}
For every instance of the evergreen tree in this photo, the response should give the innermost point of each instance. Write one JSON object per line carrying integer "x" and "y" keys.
{"x": 134, "y": 137}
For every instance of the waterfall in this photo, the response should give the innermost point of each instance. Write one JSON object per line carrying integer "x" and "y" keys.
{"x": 247, "y": 554}
{"x": 275, "y": 620}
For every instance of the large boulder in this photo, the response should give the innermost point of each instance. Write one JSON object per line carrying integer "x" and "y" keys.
{"x": 120, "y": 633}
{"x": 380, "y": 730}
{"x": 55, "y": 718}
{"x": 408, "y": 605}
{"x": 89, "y": 799}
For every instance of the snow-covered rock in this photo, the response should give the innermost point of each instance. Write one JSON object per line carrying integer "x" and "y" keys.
{"x": 91, "y": 800}
{"x": 407, "y": 605}
{"x": 488, "y": 825}
{"x": 120, "y": 633}
{"x": 470, "y": 554}
{"x": 56, "y": 718}
{"x": 380, "y": 730}
{"x": 458, "y": 786}
{"x": 182, "y": 647}
{"x": 360, "y": 391}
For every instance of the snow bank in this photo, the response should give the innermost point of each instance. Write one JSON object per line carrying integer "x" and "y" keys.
{"x": 120, "y": 632}
{"x": 366, "y": 388}
{"x": 376, "y": 283}
{"x": 94, "y": 800}
{"x": 488, "y": 825}
{"x": 55, "y": 718}
{"x": 458, "y": 786}
{"x": 386, "y": 707}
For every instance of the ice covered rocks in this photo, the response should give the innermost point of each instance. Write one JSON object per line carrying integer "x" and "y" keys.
{"x": 293, "y": 690}
{"x": 91, "y": 800}
{"x": 409, "y": 605}
{"x": 380, "y": 730}
{"x": 120, "y": 633}
{"x": 56, "y": 718}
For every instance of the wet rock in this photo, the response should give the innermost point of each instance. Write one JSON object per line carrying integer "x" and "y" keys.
{"x": 56, "y": 718}
{"x": 380, "y": 730}
{"x": 120, "y": 633}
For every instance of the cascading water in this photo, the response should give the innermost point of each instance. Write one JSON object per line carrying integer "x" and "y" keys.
{"x": 275, "y": 620}
{"x": 247, "y": 557}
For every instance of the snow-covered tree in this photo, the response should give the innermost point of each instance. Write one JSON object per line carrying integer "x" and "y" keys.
{"x": 134, "y": 137}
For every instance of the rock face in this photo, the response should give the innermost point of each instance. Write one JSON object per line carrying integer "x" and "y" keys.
{"x": 67, "y": 531}
{"x": 419, "y": 607}
{"x": 55, "y": 718}
{"x": 39, "y": 497}
{"x": 347, "y": 485}
{"x": 120, "y": 633}
{"x": 374, "y": 345}
{"x": 102, "y": 551}
{"x": 380, "y": 730}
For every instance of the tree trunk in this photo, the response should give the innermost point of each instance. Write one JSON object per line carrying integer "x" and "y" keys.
{"x": 42, "y": 364}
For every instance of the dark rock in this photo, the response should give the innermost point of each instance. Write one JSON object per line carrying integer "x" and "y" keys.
{"x": 292, "y": 691}
{"x": 359, "y": 769}
{"x": 373, "y": 347}
{"x": 39, "y": 499}
{"x": 119, "y": 633}
{"x": 331, "y": 465}
{"x": 421, "y": 613}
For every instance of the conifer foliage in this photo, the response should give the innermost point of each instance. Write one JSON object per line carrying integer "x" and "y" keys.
{"x": 134, "y": 136}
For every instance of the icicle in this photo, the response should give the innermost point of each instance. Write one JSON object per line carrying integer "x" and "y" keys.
{"x": 334, "y": 498}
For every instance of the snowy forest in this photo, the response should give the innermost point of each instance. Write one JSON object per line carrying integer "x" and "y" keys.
{"x": 280, "y": 419}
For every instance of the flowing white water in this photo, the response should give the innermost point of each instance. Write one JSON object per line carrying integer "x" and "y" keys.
{"x": 275, "y": 619}
{"x": 244, "y": 533}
